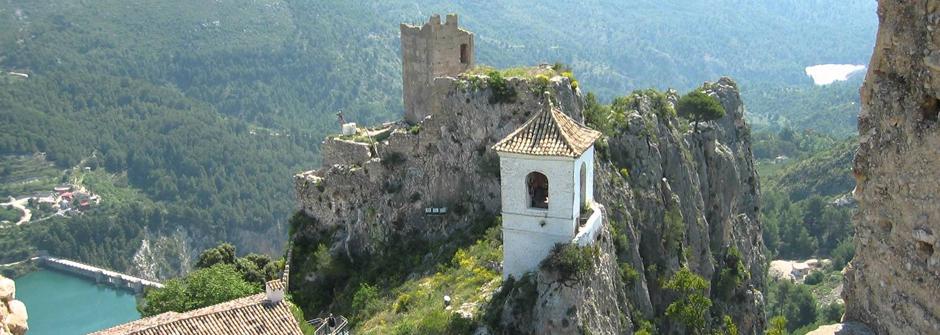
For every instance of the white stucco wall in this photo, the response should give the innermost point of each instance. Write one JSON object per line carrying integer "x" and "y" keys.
{"x": 529, "y": 234}
{"x": 523, "y": 251}
{"x": 587, "y": 234}
{"x": 587, "y": 158}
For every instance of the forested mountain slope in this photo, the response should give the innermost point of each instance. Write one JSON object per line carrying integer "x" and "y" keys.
{"x": 827, "y": 173}
{"x": 618, "y": 46}
{"x": 831, "y": 109}
{"x": 209, "y": 106}
{"x": 266, "y": 60}
{"x": 807, "y": 202}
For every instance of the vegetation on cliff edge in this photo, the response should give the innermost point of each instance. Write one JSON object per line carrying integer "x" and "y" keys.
{"x": 400, "y": 289}
{"x": 219, "y": 276}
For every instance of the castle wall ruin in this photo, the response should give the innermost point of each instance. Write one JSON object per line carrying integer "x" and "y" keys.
{"x": 431, "y": 51}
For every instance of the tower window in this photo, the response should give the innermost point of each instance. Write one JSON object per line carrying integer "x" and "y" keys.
{"x": 464, "y": 54}
{"x": 537, "y": 185}
{"x": 583, "y": 193}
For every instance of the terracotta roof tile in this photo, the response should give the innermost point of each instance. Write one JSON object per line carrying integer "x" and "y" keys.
{"x": 549, "y": 133}
{"x": 248, "y": 315}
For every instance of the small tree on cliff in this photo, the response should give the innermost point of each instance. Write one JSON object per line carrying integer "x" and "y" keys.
{"x": 698, "y": 106}
{"x": 692, "y": 304}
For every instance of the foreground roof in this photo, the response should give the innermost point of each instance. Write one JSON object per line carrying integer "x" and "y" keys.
{"x": 244, "y": 316}
{"x": 549, "y": 133}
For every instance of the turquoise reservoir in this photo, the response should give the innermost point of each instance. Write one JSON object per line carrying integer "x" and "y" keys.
{"x": 62, "y": 304}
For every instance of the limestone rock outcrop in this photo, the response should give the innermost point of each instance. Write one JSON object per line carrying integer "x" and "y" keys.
{"x": 7, "y": 289}
{"x": 13, "y": 314}
{"x": 674, "y": 196}
{"x": 893, "y": 282}
{"x": 699, "y": 189}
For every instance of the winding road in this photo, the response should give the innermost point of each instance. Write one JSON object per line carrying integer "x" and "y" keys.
{"x": 21, "y": 205}
{"x": 20, "y": 262}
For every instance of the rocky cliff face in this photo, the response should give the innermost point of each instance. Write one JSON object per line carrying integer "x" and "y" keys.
{"x": 163, "y": 256}
{"x": 12, "y": 312}
{"x": 893, "y": 283}
{"x": 673, "y": 198}
{"x": 690, "y": 198}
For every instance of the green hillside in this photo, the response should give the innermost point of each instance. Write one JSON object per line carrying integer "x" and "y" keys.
{"x": 827, "y": 173}
{"x": 830, "y": 109}
{"x": 801, "y": 217}
{"x": 208, "y": 107}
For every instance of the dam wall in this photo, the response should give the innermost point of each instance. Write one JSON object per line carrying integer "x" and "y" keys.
{"x": 99, "y": 275}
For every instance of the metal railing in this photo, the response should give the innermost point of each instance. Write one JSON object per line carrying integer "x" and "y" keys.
{"x": 323, "y": 327}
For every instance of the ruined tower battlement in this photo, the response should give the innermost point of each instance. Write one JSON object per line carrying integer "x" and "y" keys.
{"x": 431, "y": 51}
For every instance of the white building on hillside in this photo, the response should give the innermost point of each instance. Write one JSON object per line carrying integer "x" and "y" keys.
{"x": 547, "y": 176}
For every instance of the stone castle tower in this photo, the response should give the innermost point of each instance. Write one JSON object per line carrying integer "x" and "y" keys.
{"x": 547, "y": 181}
{"x": 428, "y": 52}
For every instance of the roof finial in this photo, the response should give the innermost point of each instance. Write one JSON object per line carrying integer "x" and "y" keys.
{"x": 547, "y": 100}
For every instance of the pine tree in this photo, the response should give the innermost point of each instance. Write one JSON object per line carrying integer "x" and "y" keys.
{"x": 699, "y": 106}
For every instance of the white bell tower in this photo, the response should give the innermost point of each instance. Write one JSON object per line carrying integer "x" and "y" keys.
{"x": 547, "y": 173}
